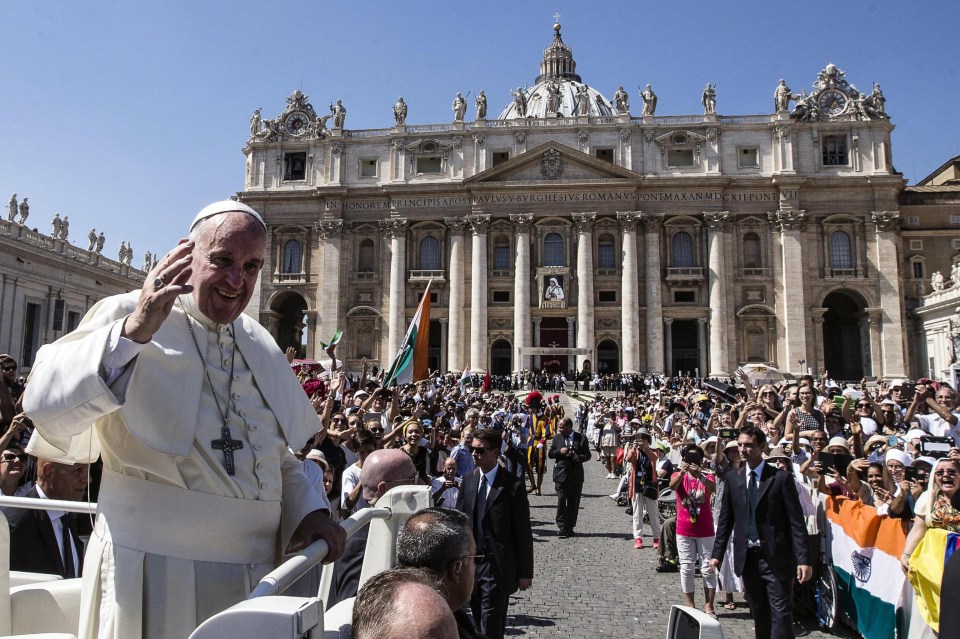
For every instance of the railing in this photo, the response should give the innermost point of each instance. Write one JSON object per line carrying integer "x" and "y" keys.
{"x": 426, "y": 274}
{"x": 842, "y": 273}
{"x": 365, "y": 276}
{"x": 744, "y": 119}
{"x": 606, "y": 271}
{"x": 754, "y": 272}
{"x": 429, "y": 128}
{"x": 83, "y": 507}
{"x": 367, "y": 133}
{"x": 501, "y": 273}
{"x": 289, "y": 278}
{"x": 684, "y": 273}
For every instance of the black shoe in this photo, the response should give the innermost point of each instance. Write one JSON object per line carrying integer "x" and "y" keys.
{"x": 668, "y": 567}
{"x": 563, "y": 534}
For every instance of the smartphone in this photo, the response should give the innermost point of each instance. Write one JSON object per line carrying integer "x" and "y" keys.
{"x": 911, "y": 473}
{"x": 936, "y": 447}
{"x": 728, "y": 433}
{"x": 839, "y": 400}
{"x": 837, "y": 461}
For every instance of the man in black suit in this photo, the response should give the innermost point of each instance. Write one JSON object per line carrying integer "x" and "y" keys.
{"x": 46, "y": 540}
{"x": 496, "y": 504}
{"x": 570, "y": 450}
{"x": 761, "y": 507}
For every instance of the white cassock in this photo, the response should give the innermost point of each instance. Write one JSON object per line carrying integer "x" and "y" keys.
{"x": 177, "y": 539}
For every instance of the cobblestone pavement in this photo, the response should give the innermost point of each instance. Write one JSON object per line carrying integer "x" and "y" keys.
{"x": 582, "y": 585}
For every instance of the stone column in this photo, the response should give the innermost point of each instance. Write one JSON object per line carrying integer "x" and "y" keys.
{"x": 791, "y": 223}
{"x": 444, "y": 324}
{"x": 893, "y": 355}
{"x": 873, "y": 321}
{"x": 328, "y": 283}
{"x": 454, "y": 342}
{"x": 652, "y": 224}
{"x": 536, "y": 342}
{"x": 668, "y": 343}
{"x": 630, "y": 305}
{"x": 718, "y": 227}
{"x": 702, "y": 344}
{"x": 521, "y": 288}
{"x": 584, "y": 223}
{"x": 816, "y": 316}
{"x": 478, "y": 293}
{"x": 396, "y": 230}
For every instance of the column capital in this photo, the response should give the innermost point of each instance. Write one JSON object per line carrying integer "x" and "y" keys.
{"x": 479, "y": 224}
{"x": 329, "y": 229}
{"x": 668, "y": 321}
{"x": 788, "y": 220}
{"x": 522, "y": 221}
{"x": 395, "y": 227}
{"x": 629, "y": 220}
{"x": 443, "y": 320}
{"x": 479, "y": 139}
{"x": 873, "y": 315}
{"x": 702, "y": 321}
{"x": 718, "y": 221}
{"x": 652, "y": 222}
{"x": 816, "y": 314}
{"x": 886, "y": 221}
{"x": 584, "y": 221}
{"x": 455, "y": 224}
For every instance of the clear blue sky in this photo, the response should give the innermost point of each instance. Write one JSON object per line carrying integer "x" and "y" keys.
{"x": 130, "y": 116}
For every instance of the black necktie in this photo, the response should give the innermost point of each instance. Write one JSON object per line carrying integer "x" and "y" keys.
{"x": 69, "y": 570}
{"x": 481, "y": 506}
{"x": 752, "y": 499}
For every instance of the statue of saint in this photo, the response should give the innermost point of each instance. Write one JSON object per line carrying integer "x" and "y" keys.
{"x": 955, "y": 274}
{"x": 12, "y": 214}
{"x": 709, "y": 100}
{"x": 65, "y": 228}
{"x": 781, "y": 97}
{"x": 147, "y": 260}
{"x": 553, "y": 97}
{"x": 481, "y": 102}
{"x": 936, "y": 281}
{"x": 24, "y": 211}
{"x": 400, "y": 112}
{"x": 649, "y": 101}
{"x": 57, "y": 224}
{"x": 339, "y": 114}
{"x": 583, "y": 100}
{"x": 520, "y": 102}
{"x": 622, "y": 100}
{"x": 91, "y": 239}
{"x": 459, "y": 108}
{"x": 122, "y": 252}
{"x": 255, "y": 124}
{"x": 100, "y": 241}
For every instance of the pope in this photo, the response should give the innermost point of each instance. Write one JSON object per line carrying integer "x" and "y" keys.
{"x": 194, "y": 410}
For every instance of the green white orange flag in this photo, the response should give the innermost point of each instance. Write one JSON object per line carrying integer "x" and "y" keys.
{"x": 410, "y": 364}
{"x": 333, "y": 341}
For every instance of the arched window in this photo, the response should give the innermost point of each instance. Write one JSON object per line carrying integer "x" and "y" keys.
{"x": 501, "y": 253}
{"x": 681, "y": 253}
{"x": 292, "y": 254}
{"x": 841, "y": 256}
{"x": 553, "y": 250}
{"x": 365, "y": 256}
{"x": 606, "y": 257}
{"x": 430, "y": 253}
{"x": 751, "y": 251}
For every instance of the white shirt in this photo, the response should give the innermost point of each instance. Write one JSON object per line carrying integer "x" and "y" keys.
{"x": 55, "y": 516}
{"x": 349, "y": 481}
{"x": 490, "y": 475}
{"x": 939, "y": 427}
{"x": 758, "y": 472}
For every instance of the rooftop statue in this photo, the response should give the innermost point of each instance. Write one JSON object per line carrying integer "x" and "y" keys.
{"x": 649, "y": 101}
{"x": 709, "y": 100}
{"x": 400, "y": 112}
{"x": 339, "y": 114}
{"x": 481, "y": 102}
{"x": 622, "y": 100}
{"x": 459, "y": 108}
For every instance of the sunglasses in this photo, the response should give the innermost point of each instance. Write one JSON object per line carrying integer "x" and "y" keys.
{"x": 9, "y": 369}
{"x": 476, "y": 558}
{"x": 479, "y": 450}
{"x": 12, "y": 458}
{"x": 945, "y": 473}
{"x": 864, "y": 406}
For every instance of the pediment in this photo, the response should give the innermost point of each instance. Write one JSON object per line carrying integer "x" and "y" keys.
{"x": 553, "y": 163}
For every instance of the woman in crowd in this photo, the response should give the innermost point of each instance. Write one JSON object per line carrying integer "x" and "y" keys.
{"x": 641, "y": 461}
{"x": 412, "y": 434}
{"x": 729, "y": 582}
{"x": 695, "y": 532}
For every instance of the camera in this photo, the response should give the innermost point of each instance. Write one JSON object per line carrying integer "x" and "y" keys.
{"x": 728, "y": 433}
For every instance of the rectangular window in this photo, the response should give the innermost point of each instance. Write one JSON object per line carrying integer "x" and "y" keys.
{"x": 59, "y": 307}
{"x": 501, "y": 297}
{"x": 680, "y": 157}
{"x": 434, "y": 297}
{"x": 295, "y": 166}
{"x": 604, "y": 154}
{"x": 501, "y": 258}
{"x": 748, "y": 157}
{"x": 606, "y": 258}
{"x": 916, "y": 245}
{"x": 684, "y": 297}
{"x": 955, "y": 244}
{"x": 955, "y": 219}
{"x": 429, "y": 164}
{"x": 31, "y": 333}
{"x": 607, "y": 296}
{"x": 368, "y": 168}
{"x": 73, "y": 320}
{"x": 918, "y": 270}
{"x": 835, "y": 150}
{"x": 913, "y": 220}
{"x": 499, "y": 157}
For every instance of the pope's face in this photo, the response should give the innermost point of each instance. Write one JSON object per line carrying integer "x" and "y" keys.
{"x": 226, "y": 263}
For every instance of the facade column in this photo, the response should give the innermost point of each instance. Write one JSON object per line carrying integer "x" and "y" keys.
{"x": 585, "y": 222}
{"x": 873, "y": 320}
{"x": 702, "y": 344}
{"x": 652, "y": 224}
{"x": 454, "y": 341}
{"x": 536, "y": 342}
{"x": 444, "y": 324}
{"x": 630, "y": 305}
{"x": 718, "y": 227}
{"x": 478, "y": 293}
{"x": 328, "y": 286}
{"x": 892, "y": 359}
{"x": 396, "y": 230}
{"x": 668, "y": 346}
{"x": 791, "y": 224}
{"x": 816, "y": 316}
{"x": 521, "y": 289}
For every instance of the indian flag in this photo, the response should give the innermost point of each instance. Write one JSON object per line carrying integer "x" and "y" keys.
{"x": 410, "y": 364}
{"x": 866, "y": 552}
{"x": 465, "y": 379}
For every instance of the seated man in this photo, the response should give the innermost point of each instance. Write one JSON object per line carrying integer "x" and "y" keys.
{"x": 402, "y": 603}
{"x": 440, "y": 540}
{"x": 46, "y": 540}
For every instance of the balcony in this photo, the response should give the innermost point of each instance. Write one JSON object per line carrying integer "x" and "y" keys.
{"x": 752, "y": 272}
{"x": 606, "y": 272}
{"x": 685, "y": 274}
{"x": 501, "y": 273}
{"x": 365, "y": 276}
{"x": 842, "y": 273}
{"x": 425, "y": 275}
{"x": 290, "y": 278}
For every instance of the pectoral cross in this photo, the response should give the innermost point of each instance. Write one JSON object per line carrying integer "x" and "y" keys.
{"x": 227, "y": 445}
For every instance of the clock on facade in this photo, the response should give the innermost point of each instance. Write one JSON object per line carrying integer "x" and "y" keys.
{"x": 832, "y": 102}
{"x": 296, "y": 123}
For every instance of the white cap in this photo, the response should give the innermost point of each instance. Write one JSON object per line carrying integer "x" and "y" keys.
{"x": 915, "y": 433}
{"x": 897, "y": 455}
{"x": 226, "y": 206}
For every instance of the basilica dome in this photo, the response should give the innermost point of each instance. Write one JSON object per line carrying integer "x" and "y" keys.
{"x": 558, "y": 91}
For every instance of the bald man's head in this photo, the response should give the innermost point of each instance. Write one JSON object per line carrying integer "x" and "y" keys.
{"x": 383, "y": 470}
{"x": 402, "y": 602}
